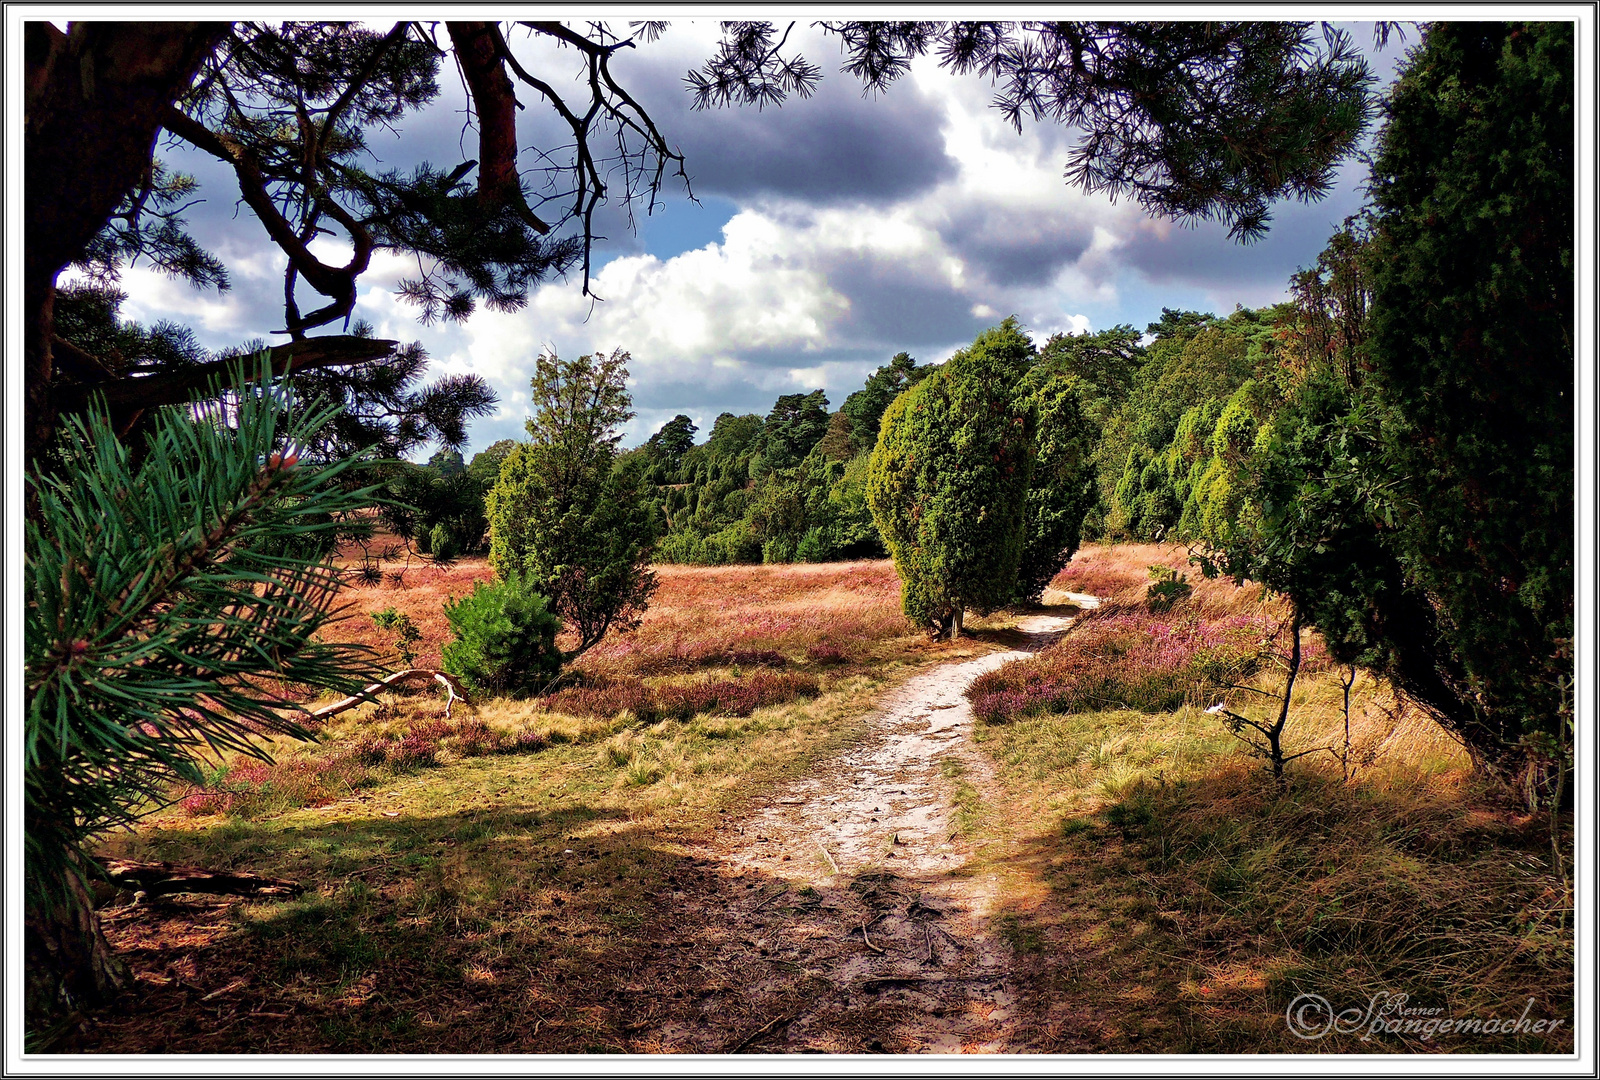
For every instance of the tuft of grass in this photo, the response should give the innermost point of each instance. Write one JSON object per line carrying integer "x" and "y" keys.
{"x": 1396, "y": 885}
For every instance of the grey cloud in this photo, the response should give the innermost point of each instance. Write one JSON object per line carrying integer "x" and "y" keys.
{"x": 1017, "y": 247}
{"x": 1203, "y": 257}
{"x": 833, "y": 148}
{"x": 892, "y": 306}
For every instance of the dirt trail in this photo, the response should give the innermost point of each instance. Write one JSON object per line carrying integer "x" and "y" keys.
{"x": 843, "y": 916}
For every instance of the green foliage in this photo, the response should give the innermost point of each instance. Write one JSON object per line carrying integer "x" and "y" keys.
{"x": 865, "y": 407}
{"x": 1061, "y": 490}
{"x": 667, "y": 447}
{"x": 796, "y": 423}
{"x": 565, "y": 513}
{"x": 729, "y": 505}
{"x": 1167, "y": 588}
{"x": 838, "y": 443}
{"x": 424, "y": 503}
{"x": 405, "y": 630}
{"x": 1155, "y": 445}
{"x": 447, "y": 463}
{"x": 949, "y": 479}
{"x": 167, "y": 618}
{"x": 442, "y": 544}
{"x": 485, "y": 466}
{"x": 504, "y": 639}
{"x": 1471, "y": 348}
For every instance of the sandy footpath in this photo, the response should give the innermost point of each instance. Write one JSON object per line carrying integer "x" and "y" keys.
{"x": 842, "y": 915}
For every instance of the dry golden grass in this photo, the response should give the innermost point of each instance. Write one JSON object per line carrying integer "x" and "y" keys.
{"x": 1158, "y": 877}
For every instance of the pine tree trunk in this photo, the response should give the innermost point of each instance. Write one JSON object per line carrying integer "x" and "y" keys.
{"x": 69, "y": 963}
{"x": 93, "y": 104}
{"x": 958, "y": 622}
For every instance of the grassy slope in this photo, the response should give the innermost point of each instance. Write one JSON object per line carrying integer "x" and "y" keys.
{"x": 1170, "y": 897}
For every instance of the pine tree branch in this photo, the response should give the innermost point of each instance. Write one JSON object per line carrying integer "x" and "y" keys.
{"x": 175, "y": 387}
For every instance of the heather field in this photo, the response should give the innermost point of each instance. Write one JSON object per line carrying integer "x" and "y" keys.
{"x": 658, "y": 854}
{"x": 699, "y": 617}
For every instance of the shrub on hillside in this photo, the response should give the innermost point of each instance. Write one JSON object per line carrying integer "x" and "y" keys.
{"x": 505, "y": 639}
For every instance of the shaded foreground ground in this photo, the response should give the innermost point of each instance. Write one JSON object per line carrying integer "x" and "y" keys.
{"x": 839, "y": 915}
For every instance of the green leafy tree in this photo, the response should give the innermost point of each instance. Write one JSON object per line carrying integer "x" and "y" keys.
{"x": 668, "y": 446}
{"x": 796, "y": 423}
{"x": 1061, "y": 488}
{"x": 949, "y": 478}
{"x": 1107, "y": 362}
{"x": 838, "y": 442}
{"x": 565, "y": 514}
{"x": 447, "y": 463}
{"x": 1299, "y": 495}
{"x": 504, "y": 639}
{"x": 1472, "y": 340}
{"x": 1195, "y": 361}
{"x": 421, "y": 502}
{"x": 485, "y": 465}
{"x": 168, "y": 607}
{"x": 865, "y": 407}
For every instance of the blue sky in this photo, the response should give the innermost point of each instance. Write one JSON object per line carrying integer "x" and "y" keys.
{"x": 829, "y": 234}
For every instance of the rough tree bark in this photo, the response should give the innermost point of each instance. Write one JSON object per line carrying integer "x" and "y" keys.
{"x": 93, "y": 102}
{"x": 68, "y": 965}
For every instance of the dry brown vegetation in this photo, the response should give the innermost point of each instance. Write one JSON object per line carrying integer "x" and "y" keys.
{"x": 515, "y": 880}
{"x": 699, "y": 617}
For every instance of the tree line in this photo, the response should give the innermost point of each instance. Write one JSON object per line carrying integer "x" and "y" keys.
{"x": 1390, "y": 449}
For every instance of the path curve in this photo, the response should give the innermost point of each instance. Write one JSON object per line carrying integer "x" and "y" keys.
{"x": 867, "y": 930}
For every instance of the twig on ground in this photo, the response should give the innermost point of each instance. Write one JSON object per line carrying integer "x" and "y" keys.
{"x": 739, "y": 1048}
{"x": 832, "y": 865}
{"x": 769, "y": 899}
{"x": 236, "y": 985}
{"x": 868, "y": 940}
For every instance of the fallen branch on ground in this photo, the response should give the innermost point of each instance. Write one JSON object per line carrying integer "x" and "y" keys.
{"x": 762, "y": 1030}
{"x": 444, "y": 678}
{"x": 160, "y": 878}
